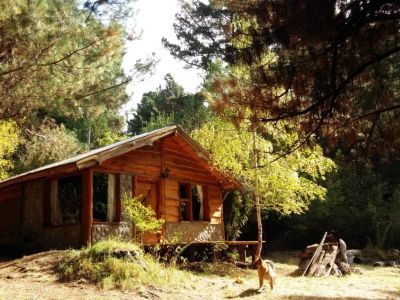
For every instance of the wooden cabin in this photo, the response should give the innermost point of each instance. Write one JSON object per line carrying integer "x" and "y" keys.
{"x": 77, "y": 201}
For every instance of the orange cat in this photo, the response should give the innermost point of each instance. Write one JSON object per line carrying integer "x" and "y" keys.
{"x": 266, "y": 270}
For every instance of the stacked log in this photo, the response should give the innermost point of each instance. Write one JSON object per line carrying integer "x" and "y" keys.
{"x": 326, "y": 258}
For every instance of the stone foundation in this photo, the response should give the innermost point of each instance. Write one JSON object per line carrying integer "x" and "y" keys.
{"x": 188, "y": 232}
{"x": 121, "y": 231}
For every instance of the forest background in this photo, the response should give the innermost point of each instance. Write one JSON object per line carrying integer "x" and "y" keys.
{"x": 322, "y": 97}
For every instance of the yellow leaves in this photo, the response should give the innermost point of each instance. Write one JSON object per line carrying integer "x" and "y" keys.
{"x": 287, "y": 185}
{"x": 8, "y": 144}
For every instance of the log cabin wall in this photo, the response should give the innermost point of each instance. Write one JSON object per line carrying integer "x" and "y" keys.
{"x": 24, "y": 224}
{"x": 11, "y": 215}
{"x": 159, "y": 169}
{"x": 155, "y": 171}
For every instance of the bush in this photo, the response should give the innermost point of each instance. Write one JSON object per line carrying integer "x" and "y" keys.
{"x": 100, "y": 265}
{"x": 143, "y": 217}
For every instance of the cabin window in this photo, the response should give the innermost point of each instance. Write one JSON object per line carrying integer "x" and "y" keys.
{"x": 104, "y": 197}
{"x": 185, "y": 202}
{"x": 197, "y": 202}
{"x": 66, "y": 200}
{"x": 191, "y": 200}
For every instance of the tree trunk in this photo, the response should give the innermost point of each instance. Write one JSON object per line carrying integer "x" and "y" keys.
{"x": 256, "y": 195}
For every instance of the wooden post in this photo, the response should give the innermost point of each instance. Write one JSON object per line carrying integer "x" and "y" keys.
{"x": 134, "y": 186}
{"x": 118, "y": 208}
{"x": 242, "y": 253}
{"x": 87, "y": 207}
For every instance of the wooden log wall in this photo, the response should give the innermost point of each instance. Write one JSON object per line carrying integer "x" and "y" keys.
{"x": 180, "y": 161}
{"x": 10, "y": 210}
{"x": 171, "y": 212}
{"x": 161, "y": 167}
{"x": 215, "y": 204}
{"x": 145, "y": 161}
{"x": 87, "y": 207}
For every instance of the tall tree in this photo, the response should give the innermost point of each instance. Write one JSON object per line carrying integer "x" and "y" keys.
{"x": 61, "y": 75}
{"x": 169, "y": 105}
{"x": 287, "y": 185}
{"x": 330, "y": 67}
{"x": 55, "y": 56}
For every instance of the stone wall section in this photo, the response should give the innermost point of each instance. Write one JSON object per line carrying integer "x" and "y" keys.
{"x": 189, "y": 232}
{"x": 121, "y": 231}
{"x": 35, "y": 235}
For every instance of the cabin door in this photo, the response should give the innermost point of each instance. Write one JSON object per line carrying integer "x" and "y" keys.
{"x": 147, "y": 189}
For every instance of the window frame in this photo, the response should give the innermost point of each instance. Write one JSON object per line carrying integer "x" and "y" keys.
{"x": 48, "y": 201}
{"x": 189, "y": 201}
{"x": 117, "y": 195}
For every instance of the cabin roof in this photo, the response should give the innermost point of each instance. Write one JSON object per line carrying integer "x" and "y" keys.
{"x": 96, "y": 156}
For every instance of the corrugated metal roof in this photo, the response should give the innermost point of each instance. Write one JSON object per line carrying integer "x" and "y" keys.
{"x": 92, "y": 157}
{"x": 82, "y": 156}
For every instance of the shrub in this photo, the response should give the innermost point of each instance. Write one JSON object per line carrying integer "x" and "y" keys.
{"x": 100, "y": 265}
{"x": 143, "y": 217}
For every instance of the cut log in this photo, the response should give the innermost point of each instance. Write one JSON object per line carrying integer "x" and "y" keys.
{"x": 344, "y": 268}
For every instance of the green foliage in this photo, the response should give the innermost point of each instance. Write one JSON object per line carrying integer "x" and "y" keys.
{"x": 287, "y": 185}
{"x": 95, "y": 129}
{"x": 361, "y": 204}
{"x": 46, "y": 144}
{"x": 368, "y": 202}
{"x": 142, "y": 217}
{"x": 237, "y": 209}
{"x": 99, "y": 265}
{"x": 8, "y": 144}
{"x": 169, "y": 105}
{"x": 57, "y": 58}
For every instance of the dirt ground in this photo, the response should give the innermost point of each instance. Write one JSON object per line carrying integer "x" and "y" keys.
{"x": 33, "y": 277}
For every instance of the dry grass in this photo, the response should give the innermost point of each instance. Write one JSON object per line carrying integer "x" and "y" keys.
{"x": 98, "y": 265}
{"x": 33, "y": 277}
{"x": 373, "y": 283}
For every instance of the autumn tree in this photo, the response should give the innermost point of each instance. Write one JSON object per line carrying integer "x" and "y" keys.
{"x": 8, "y": 144}
{"x": 54, "y": 58}
{"x": 287, "y": 185}
{"x": 328, "y": 67}
{"x": 61, "y": 67}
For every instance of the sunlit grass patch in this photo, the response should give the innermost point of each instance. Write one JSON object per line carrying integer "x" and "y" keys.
{"x": 98, "y": 264}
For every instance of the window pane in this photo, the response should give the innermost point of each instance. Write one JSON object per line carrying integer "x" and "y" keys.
{"x": 70, "y": 199}
{"x": 197, "y": 202}
{"x": 100, "y": 195}
{"x": 185, "y": 211}
{"x": 184, "y": 190}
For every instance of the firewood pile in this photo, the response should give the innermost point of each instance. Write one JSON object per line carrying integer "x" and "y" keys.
{"x": 326, "y": 258}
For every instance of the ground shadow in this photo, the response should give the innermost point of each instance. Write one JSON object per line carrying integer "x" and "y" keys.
{"x": 308, "y": 297}
{"x": 246, "y": 293}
